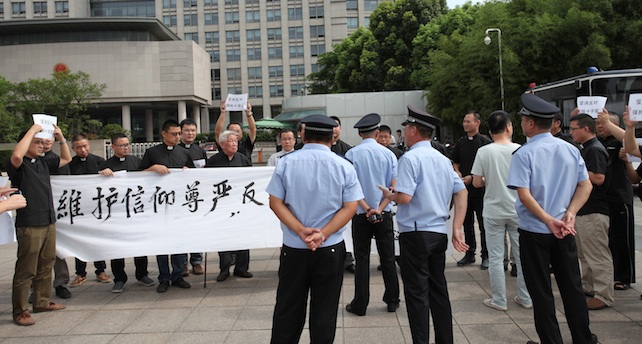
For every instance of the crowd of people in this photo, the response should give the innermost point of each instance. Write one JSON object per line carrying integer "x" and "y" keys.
{"x": 561, "y": 203}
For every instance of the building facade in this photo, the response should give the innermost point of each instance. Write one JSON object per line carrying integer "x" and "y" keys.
{"x": 265, "y": 48}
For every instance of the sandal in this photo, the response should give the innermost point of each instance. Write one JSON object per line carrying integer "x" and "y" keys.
{"x": 620, "y": 286}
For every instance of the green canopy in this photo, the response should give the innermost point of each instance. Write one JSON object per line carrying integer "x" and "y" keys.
{"x": 270, "y": 123}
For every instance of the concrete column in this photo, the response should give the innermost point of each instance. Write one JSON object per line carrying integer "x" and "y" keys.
{"x": 196, "y": 116}
{"x": 182, "y": 110}
{"x": 205, "y": 120}
{"x": 126, "y": 118}
{"x": 149, "y": 125}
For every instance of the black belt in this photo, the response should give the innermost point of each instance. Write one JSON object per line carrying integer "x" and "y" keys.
{"x": 382, "y": 213}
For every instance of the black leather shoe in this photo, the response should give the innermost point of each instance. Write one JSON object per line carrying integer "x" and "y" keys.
{"x": 468, "y": 259}
{"x": 392, "y": 307}
{"x": 350, "y": 310}
{"x": 162, "y": 286}
{"x": 181, "y": 283}
{"x": 243, "y": 274}
{"x": 350, "y": 268}
{"x": 62, "y": 292}
{"x": 222, "y": 276}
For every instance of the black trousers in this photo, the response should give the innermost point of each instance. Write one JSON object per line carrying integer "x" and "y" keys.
{"x": 81, "y": 267}
{"x": 242, "y": 261}
{"x": 622, "y": 242}
{"x": 321, "y": 274}
{"x": 474, "y": 210}
{"x": 362, "y": 233}
{"x": 538, "y": 251}
{"x": 118, "y": 268}
{"x": 422, "y": 261}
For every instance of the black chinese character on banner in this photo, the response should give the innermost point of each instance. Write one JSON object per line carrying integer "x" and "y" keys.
{"x": 163, "y": 197}
{"x": 221, "y": 190}
{"x": 109, "y": 200}
{"x": 69, "y": 204}
{"x": 134, "y": 198}
{"x": 249, "y": 193}
{"x": 191, "y": 196}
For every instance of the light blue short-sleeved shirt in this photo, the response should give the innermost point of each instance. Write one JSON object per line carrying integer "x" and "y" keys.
{"x": 375, "y": 165}
{"x": 314, "y": 183}
{"x": 429, "y": 177}
{"x": 551, "y": 169}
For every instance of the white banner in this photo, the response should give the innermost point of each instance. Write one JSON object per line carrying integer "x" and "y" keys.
{"x": 144, "y": 213}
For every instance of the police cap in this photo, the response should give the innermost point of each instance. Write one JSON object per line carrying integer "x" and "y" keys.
{"x": 420, "y": 117}
{"x": 537, "y": 107}
{"x": 319, "y": 123}
{"x": 368, "y": 122}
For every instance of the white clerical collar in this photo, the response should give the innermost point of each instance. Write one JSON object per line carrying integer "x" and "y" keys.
{"x": 121, "y": 159}
{"x": 169, "y": 148}
{"x": 83, "y": 159}
{"x": 187, "y": 145}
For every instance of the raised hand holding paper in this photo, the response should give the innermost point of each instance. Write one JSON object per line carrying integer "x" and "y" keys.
{"x": 236, "y": 102}
{"x": 591, "y": 105}
{"x": 47, "y": 123}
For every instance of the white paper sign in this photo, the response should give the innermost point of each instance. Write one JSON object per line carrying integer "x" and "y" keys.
{"x": 635, "y": 107}
{"x": 591, "y": 105}
{"x": 47, "y": 122}
{"x": 236, "y": 102}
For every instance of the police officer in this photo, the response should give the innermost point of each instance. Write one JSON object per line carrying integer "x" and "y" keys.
{"x": 425, "y": 185}
{"x": 549, "y": 196}
{"x": 313, "y": 250}
{"x": 375, "y": 165}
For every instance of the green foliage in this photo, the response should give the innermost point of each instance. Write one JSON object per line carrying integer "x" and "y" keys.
{"x": 111, "y": 129}
{"x": 265, "y": 136}
{"x": 65, "y": 95}
{"x": 201, "y": 137}
{"x": 12, "y": 124}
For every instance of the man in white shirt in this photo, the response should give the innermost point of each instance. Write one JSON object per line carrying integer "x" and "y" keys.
{"x": 287, "y": 142}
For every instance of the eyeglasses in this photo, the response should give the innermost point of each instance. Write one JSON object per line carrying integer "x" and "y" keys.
{"x": 176, "y": 133}
{"x": 124, "y": 145}
{"x": 571, "y": 129}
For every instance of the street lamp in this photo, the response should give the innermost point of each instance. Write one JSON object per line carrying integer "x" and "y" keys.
{"x": 501, "y": 71}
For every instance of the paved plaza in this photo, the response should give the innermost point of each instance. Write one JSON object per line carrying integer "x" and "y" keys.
{"x": 240, "y": 310}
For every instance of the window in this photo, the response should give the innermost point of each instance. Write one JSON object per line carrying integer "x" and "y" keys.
{"x": 216, "y": 74}
{"x": 18, "y": 8}
{"x": 169, "y": 20}
{"x": 211, "y": 18}
{"x": 275, "y": 53}
{"x": 370, "y": 5}
{"x": 317, "y": 31}
{"x": 1, "y": 8}
{"x": 191, "y": 36}
{"x": 231, "y": 17}
{"x": 275, "y": 71}
{"x": 316, "y": 11}
{"x": 295, "y": 32}
{"x": 295, "y": 13}
{"x": 366, "y": 22}
{"x": 274, "y": 34}
{"x": 274, "y": 15}
{"x": 233, "y": 54}
{"x": 190, "y": 19}
{"x": 216, "y": 93}
{"x": 296, "y": 51}
{"x": 255, "y": 92}
{"x": 39, "y": 7}
{"x": 169, "y": 3}
{"x": 297, "y": 89}
{"x": 276, "y": 91}
{"x": 317, "y": 49}
{"x": 210, "y": 2}
{"x": 234, "y": 90}
{"x": 188, "y": 3}
{"x": 351, "y": 5}
{"x": 314, "y": 68}
{"x": 234, "y": 74}
{"x": 254, "y": 73}
{"x": 62, "y": 7}
{"x": 232, "y": 36}
{"x": 212, "y": 37}
{"x": 253, "y": 54}
{"x": 215, "y": 55}
{"x": 353, "y": 22}
{"x": 253, "y": 16}
{"x": 231, "y": 2}
{"x": 297, "y": 70}
{"x": 252, "y": 1}
{"x": 253, "y": 35}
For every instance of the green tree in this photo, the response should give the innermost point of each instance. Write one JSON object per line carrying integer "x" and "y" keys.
{"x": 111, "y": 129}
{"x": 66, "y": 95}
{"x": 12, "y": 124}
